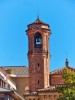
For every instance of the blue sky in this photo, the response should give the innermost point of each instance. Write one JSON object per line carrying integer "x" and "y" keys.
{"x": 15, "y": 15}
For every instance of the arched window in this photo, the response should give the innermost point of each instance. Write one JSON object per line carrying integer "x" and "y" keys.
{"x": 38, "y": 40}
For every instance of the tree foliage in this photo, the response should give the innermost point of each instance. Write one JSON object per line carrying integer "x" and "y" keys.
{"x": 68, "y": 89}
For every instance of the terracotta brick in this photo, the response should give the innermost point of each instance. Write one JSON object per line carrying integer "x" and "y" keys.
{"x": 56, "y": 79}
{"x": 38, "y": 58}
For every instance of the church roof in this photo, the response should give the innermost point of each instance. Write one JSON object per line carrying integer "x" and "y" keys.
{"x": 18, "y": 70}
{"x": 50, "y": 89}
{"x": 61, "y": 70}
{"x": 38, "y": 21}
{"x": 58, "y": 71}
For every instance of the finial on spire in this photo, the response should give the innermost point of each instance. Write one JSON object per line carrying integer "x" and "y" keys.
{"x": 38, "y": 17}
{"x": 67, "y": 63}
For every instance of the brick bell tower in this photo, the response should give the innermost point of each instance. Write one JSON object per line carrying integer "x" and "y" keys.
{"x": 38, "y": 55}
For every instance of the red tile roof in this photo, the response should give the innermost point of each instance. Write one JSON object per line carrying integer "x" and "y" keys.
{"x": 51, "y": 88}
{"x": 31, "y": 94}
{"x": 61, "y": 70}
{"x": 38, "y": 21}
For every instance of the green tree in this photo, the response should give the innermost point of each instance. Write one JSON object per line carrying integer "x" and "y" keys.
{"x": 68, "y": 89}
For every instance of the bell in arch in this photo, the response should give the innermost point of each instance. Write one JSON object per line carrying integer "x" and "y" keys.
{"x": 38, "y": 39}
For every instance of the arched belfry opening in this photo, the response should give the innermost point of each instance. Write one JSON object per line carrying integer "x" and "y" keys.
{"x": 38, "y": 40}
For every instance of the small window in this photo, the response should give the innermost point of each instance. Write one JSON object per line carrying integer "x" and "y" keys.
{"x": 38, "y": 81}
{"x": 49, "y": 96}
{"x": 44, "y": 96}
{"x": 38, "y": 64}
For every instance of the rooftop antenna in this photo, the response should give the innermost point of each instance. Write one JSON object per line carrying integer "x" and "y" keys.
{"x": 37, "y": 5}
{"x": 38, "y": 16}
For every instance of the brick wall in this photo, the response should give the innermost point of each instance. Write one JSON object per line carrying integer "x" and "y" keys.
{"x": 56, "y": 79}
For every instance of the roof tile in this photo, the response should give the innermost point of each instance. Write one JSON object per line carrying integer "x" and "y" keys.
{"x": 18, "y": 70}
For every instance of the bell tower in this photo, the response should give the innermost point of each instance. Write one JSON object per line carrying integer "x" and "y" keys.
{"x": 38, "y": 55}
